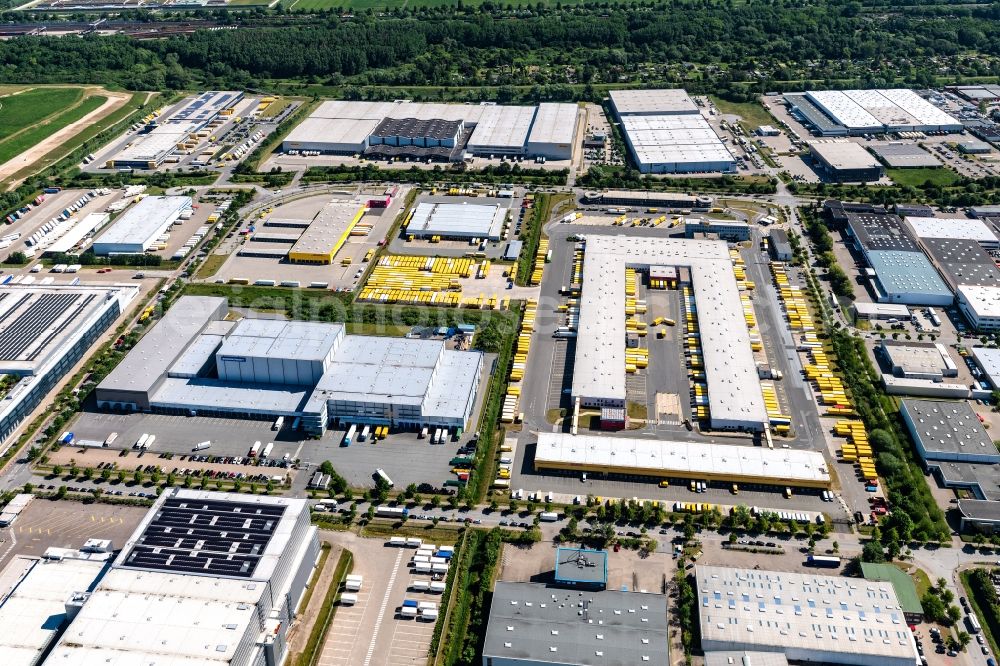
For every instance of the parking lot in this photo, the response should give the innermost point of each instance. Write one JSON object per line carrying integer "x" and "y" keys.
{"x": 51, "y": 523}
{"x": 372, "y": 631}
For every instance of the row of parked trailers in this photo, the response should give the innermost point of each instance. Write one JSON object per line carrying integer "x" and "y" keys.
{"x": 57, "y": 226}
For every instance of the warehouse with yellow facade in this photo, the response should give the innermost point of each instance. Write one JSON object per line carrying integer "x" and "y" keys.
{"x": 327, "y": 233}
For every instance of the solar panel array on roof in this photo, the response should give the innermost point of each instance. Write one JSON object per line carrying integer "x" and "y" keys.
{"x": 208, "y": 537}
{"x": 34, "y": 321}
{"x": 206, "y": 106}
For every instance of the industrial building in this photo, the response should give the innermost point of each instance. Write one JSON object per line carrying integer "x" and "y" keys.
{"x": 862, "y": 112}
{"x": 779, "y": 247}
{"x": 438, "y": 132}
{"x": 681, "y": 460}
{"x": 807, "y": 617}
{"x": 537, "y": 625}
{"x": 207, "y": 577}
{"x": 977, "y": 94}
{"x": 42, "y": 599}
{"x": 162, "y": 137}
{"x": 735, "y": 399}
{"x": 581, "y": 568}
{"x": 463, "y": 221}
{"x": 666, "y": 133}
{"x": 973, "y": 147}
{"x": 988, "y": 360}
{"x": 649, "y": 199}
{"x": 553, "y": 132}
{"x": 194, "y": 361}
{"x": 135, "y": 230}
{"x": 729, "y": 230}
{"x": 962, "y": 261}
{"x": 904, "y": 156}
{"x": 960, "y": 228}
{"x": 980, "y": 305}
{"x": 948, "y": 431}
{"x": 44, "y": 332}
{"x": 903, "y": 274}
{"x": 906, "y": 590}
{"x": 880, "y": 311}
{"x": 327, "y": 233}
{"x": 918, "y": 360}
{"x": 844, "y": 161}
{"x": 981, "y": 515}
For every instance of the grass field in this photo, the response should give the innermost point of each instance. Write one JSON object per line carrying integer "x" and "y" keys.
{"x": 752, "y": 113}
{"x": 18, "y": 143}
{"x": 88, "y": 133}
{"x": 20, "y": 111}
{"x": 939, "y": 176}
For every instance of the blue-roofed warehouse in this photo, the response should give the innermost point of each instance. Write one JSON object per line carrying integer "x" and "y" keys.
{"x": 579, "y": 567}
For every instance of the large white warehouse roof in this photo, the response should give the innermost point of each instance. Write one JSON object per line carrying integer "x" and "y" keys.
{"x": 809, "y": 617}
{"x": 735, "y": 398}
{"x": 674, "y": 139}
{"x": 137, "y": 228}
{"x": 882, "y": 110}
{"x": 694, "y": 460}
{"x": 956, "y": 228}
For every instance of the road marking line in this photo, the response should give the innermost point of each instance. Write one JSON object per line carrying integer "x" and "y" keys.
{"x": 381, "y": 610}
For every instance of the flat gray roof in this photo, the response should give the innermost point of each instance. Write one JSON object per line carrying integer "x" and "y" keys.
{"x": 963, "y": 261}
{"x": 554, "y": 124}
{"x": 152, "y": 356}
{"x": 881, "y": 231}
{"x": 948, "y": 427}
{"x": 663, "y": 101}
{"x": 904, "y": 155}
{"x": 549, "y": 625}
{"x": 274, "y": 338}
{"x": 745, "y": 658}
{"x": 915, "y": 357}
{"x": 843, "y": 154}
{"x": 988, "y": 359}
{"x": 980, "y": 509}
{"x": 902, "y": 272}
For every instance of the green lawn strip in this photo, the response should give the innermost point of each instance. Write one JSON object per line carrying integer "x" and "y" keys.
{"x": 531, "y": 232}
{"x": 752, "y": 113}
{"x": 980, "y": 598}
{"x": 324, "y": 555}
{"x": 938, "y": 176}
{"x": 454, "y": 590}
{"x": 382, "y": 529}
{"x": 23, "y": 110}
{"x": 19, "y": 143}
{"x": 327, "y": 612}
{"x": 482, "y": 477}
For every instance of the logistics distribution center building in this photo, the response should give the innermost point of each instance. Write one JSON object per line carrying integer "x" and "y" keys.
{"x": 457, "y": 221}
{"x": 734, "y": 393}
{"x": 903, "y": 273}
{"x": 666, "y": 132}
{"x": 194, "y": 361}
{"x": 537, "y": 625}
{"x": 841, "y": 160}
{"x": 162, "y": 137}
{"x": 808, "y": 617}
{"x": 44, "y": 331}
{"x": 206, "y": 578}
{"x": 681, "y": 461}
{"x": 137, "y": 228}
{"x": 439, "y": 132}
{"x": 858, "y": 112}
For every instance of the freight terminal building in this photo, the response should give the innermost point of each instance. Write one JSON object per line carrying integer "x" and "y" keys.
{"x": 138, "y": 228}
{"x": 681, "y": 461}
{"x": 735, "y": 398}
{"x": 206, "y": 578}
{"x": 437, "y": 132}
{"x": 194, "y": 361}
{"x": 903, "y": 274}
{"x": 163, "y": 137}
{"x": 807, "y": 617}
{"x": 844, "y": 161}
{"x": 862, "y": 112}
{"x": 666, "y": 133}
{"x": 44, "y": 332}
{"x": 457, "y": 221}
